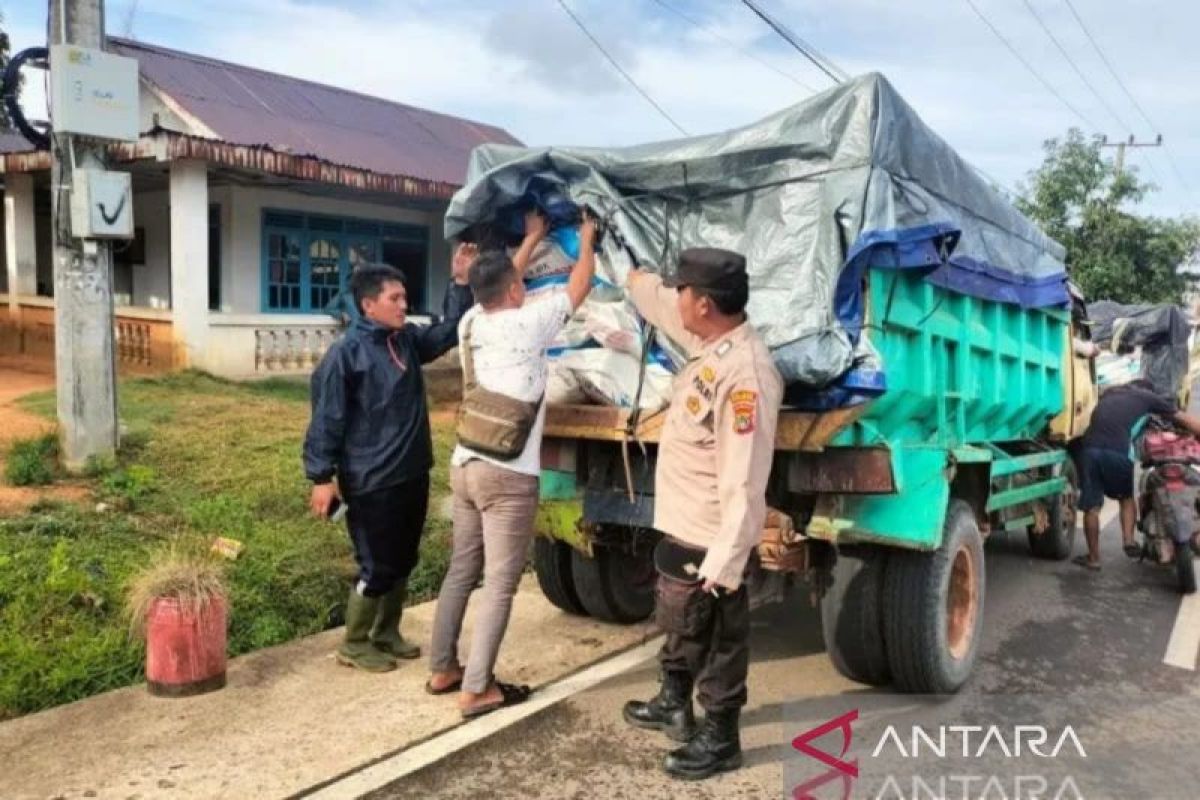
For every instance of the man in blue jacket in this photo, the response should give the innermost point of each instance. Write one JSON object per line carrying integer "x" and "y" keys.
{"x": 370, "y": 432}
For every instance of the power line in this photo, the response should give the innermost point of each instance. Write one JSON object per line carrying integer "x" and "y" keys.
{"x": 1042, "y": 23}
{"x": 744, "y": 51}
{"x": 617, "y": 67}
{"x": 835, "y": 73}
{"x": 1029, "y": 67}
{"x": 822, "y": 61}
{"x": 1112, "y": 71}
{"x": 1108, "y": 64}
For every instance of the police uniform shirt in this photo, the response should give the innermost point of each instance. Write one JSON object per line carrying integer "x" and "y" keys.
{"x": 715, "y": 453}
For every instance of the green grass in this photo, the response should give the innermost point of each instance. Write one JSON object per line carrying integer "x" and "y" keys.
{"x": 32, "y": 462}
{"x": 202, "y": 458}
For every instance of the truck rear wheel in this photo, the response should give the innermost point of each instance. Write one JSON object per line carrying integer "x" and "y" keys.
{"x": 552, "y": 564}
{"x": 933, "y": 608}
{"x": 614, "y": 585}
{"x": 852, "y": 615}
{"x": 1058, "y": 540}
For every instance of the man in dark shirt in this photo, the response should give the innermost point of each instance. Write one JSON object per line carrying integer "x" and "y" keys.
{"x": 370, "y": 431}
{"x": 1104, "y": 459}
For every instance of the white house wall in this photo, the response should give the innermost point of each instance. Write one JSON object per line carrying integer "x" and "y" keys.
{"x": 152, "y": 280}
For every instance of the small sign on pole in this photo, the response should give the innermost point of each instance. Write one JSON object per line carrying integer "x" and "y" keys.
{"x": 93, "y": 93}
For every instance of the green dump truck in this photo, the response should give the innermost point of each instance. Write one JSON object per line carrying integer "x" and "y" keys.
{"x": 897, "y": 497}
{"x": 923, "y": 326}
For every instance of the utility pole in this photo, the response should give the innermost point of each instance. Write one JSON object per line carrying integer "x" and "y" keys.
{"x": 85, "y": 368}
{"x": 1121, "y": 145}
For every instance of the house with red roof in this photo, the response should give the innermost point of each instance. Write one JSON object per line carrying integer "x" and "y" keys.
{"x": 255, "y": 195}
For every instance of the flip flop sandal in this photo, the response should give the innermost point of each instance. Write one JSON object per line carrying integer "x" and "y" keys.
{"x": 447, "y": 689}
{"x": 512, "y": 694}
{"x": 1083, "y": 562}
{"x": 1132, "y": 550}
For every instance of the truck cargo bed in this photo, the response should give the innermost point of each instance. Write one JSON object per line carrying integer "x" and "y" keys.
{"x": 797, "y": 430}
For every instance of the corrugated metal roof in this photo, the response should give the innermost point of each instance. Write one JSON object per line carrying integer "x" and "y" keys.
{"x": 251, "y": 107}
{"x": 13, "y": 142}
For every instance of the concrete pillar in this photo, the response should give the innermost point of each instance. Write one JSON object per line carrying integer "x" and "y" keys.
{"x": 20, "y": 244}
{"x": 189, "y": 258}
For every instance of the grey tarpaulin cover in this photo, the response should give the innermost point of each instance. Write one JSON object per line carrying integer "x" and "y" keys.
{"x": 812, "y": 195}
{"x": 1161, "y": 331}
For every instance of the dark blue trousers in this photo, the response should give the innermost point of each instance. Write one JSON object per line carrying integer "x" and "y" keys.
{"x": 385, "y": 527}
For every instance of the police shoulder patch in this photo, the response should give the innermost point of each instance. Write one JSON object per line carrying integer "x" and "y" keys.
{"x": 745, "y": 404}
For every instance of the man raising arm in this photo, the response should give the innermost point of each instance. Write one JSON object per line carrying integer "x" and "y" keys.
{"x": 495, "y": 499}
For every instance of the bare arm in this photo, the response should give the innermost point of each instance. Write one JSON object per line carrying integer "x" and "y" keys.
{"x": 579, "y": 284}
{"x": 1188, "y": 421}
{"x": 536, "y": 229}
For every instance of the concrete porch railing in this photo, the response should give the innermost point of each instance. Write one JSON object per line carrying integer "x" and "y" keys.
{"x": 142, "y": 337}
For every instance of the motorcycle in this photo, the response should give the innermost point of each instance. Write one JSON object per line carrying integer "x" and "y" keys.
{"x": 1169, "y": 500}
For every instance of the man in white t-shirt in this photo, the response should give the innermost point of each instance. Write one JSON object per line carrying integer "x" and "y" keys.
{"x": 495, "y": 500}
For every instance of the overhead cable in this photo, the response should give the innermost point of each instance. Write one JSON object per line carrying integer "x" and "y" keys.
{"x": 1112, "y": 71}
{"x": 1029, "y": 66}
{"x": 743, "y": 50}
{"x": 835, "y": 73}
{"x": 1046, "y": 28}
{"x": 618, "y": 68}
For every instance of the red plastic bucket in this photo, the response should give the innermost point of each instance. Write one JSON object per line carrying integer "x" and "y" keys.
{"x": 185, "y": 648}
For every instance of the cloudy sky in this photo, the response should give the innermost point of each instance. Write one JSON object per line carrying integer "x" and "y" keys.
{"x": 712, "y": 65}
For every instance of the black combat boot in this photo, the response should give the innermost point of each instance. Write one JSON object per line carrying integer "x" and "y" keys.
{"x": 669, "y": 711}
{"x": 715, "y": 748}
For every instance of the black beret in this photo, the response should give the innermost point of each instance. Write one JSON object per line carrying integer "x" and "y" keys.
{"x": 709, "y": 268}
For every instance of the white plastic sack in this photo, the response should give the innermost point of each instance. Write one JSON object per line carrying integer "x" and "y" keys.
{"x": 610, "y": 377}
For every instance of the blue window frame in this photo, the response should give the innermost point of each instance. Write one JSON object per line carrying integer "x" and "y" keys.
{"x": 307, "y": 258}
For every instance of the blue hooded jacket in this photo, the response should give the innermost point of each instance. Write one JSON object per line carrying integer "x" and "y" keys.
{"x": 370, "y": 424}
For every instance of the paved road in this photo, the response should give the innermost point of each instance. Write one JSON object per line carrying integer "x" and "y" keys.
{"x": 1050, "y": 629}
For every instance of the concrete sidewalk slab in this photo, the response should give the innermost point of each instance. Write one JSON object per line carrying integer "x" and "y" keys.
{"x": 289, "y": 719}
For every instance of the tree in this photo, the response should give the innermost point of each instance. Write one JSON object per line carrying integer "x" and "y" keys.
{"x": 1080, "y": 200}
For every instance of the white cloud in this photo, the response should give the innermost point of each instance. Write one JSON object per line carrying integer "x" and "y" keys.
{"x": 525, "y": 66}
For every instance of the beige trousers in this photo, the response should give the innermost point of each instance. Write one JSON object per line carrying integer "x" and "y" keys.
{"x": 494, "y": 510}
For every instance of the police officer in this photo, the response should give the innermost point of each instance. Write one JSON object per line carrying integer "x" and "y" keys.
{"x": 714, "y": 459}
{"x": 370, "y": 431}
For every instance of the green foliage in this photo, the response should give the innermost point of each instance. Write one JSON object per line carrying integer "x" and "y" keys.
{"x": 32, "y": 462}
{"x": 5, "y": 52}
{"x": 202, "y": 458}
{"x": 1112, "y": 253}
{"x": 126, "y": 486}
{"x": 62, "y": 636}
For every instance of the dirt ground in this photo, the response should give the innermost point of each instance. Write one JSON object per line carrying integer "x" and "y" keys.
{"x": 17, "y": 379}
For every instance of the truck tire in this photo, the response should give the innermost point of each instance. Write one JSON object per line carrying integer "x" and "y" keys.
{"x": 613, "y": 585}
{"x": 552, "y": 565}
{"x": 933, "y": 608}
{"x": 1058, "y": 540}
{"x": 852, "y": 615}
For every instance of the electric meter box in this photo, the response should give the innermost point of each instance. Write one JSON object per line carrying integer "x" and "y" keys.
{"x": 93, "y": 93}
{"x": 101, "y": 204}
